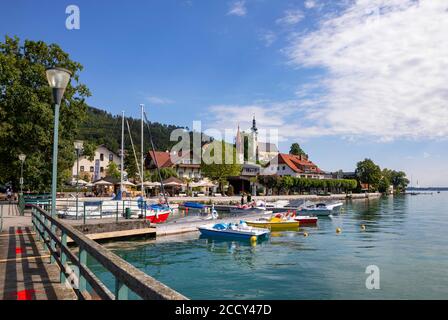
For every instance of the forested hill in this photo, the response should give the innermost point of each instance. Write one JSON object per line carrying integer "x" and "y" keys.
{"x": 101, "y": 127}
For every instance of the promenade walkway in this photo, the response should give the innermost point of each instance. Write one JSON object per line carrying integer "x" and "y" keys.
{"x": 25, "y": 269}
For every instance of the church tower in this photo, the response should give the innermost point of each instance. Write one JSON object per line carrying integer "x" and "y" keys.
{"x": 253, "y": 142}
{"x": 239, "y": 145}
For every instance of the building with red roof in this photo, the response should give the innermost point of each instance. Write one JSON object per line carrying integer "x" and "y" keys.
{"x": 291, "y": 165}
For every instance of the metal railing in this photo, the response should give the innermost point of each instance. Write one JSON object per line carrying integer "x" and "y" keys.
{"x": 53, "y": 233}
{"x": 89, "y": 208}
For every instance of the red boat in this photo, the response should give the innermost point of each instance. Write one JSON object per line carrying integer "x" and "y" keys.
{"x": 302, "y": 219}
{"x": 306, "y": 219}
{"x": 157, "y": 216}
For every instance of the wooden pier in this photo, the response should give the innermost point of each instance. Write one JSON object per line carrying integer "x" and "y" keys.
{"x": 37, "y": 264}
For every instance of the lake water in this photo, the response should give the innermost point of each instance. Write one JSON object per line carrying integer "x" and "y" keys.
{"x": 406, "y": 237}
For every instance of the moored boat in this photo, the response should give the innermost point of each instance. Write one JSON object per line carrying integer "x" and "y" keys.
{"x": 274, "y": 223}
{"x": 248, "y": 209}
{"x": 193, "y": 205}
{"x": 320, "y": 209}
{"x": 232, "y": 230}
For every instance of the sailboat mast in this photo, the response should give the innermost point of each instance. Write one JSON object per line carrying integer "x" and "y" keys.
{"x": 122, "y": 153}
{"x": 142, "y": 171}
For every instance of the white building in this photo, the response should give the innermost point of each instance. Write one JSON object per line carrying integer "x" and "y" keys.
{"x": 96, "y": 169}
{"x": 294, "y": 166}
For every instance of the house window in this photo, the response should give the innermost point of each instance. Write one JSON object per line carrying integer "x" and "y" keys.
{"x": 81, "y": 168}
{"x": 111, "y": 157}
{"x": 284, "y": 167}
{"x": 102, "y": 169}
{"x": 181, "y": 173}
{"x": 91, "y": 169}
{"x": 101, "y": 157}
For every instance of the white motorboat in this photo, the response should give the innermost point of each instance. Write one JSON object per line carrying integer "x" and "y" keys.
{"x": 319, "y": 209}
{"x": 232, "y": 230}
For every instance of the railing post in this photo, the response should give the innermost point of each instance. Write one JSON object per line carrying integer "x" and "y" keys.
{"x": 45, "y": 232}
{"x": 52, "y": 242}
{"x": 116, "y": 219}
{"x": 63, "y": 256}
{"x": 121, "y": 291}
{"x": 82, "y": 262}
{"x": 1, "y": 218}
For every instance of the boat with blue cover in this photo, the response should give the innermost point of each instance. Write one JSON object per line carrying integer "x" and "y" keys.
{"x": 193, "y": 205}
{"x": 233, "y": 230}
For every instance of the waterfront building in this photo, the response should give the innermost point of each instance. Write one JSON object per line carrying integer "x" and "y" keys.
{"x": 184, "y": 166}
{"x": 96, "y": 169}
{"x": 291, "y": 165}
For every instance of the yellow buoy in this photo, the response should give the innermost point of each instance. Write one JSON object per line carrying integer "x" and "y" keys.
{"x": 305, "y": 234}
{"x": 253, "y": 239}
{"x": 338, "y": 230}
{"x": 363, "y": 227}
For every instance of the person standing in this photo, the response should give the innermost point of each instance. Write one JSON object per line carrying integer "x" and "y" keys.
{"x": 242, "y": 199}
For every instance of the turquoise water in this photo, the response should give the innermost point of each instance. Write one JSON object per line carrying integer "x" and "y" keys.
{"x": 405, "y": 236}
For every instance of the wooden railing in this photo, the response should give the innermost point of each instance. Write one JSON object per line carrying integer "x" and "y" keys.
{"x": 53, "y": 233}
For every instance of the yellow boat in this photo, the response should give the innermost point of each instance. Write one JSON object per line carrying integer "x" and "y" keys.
{"x": 274, "y": 224}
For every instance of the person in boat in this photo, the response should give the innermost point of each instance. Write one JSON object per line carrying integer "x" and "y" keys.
{"x": 249, "y": 198}
{"x": 242, "y": 199}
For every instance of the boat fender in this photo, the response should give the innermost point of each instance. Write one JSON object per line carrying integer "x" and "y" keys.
{"x": 305, "y": 234}
{"x": 363, "y": 227}
{"x": 253, "y": 239}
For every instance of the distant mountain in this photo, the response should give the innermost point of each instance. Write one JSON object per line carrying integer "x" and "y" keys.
{"x": 101, "y": 127}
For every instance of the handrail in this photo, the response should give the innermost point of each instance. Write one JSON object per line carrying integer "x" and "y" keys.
{"x": 126, "y": 275}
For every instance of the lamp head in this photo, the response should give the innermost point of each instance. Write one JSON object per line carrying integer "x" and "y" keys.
{"x": 78, "y": 144}
{"x": 58, "y": 79}
{"x": 22, "y": 157}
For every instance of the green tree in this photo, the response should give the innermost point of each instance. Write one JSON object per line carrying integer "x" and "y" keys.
{"x": 165, "y": 173}
{"x": 88, "y": 151}
{"x": 296, "y": 149}
{"x": 27, "y": 113}
{"x": 222, "y": 170}
{"x": 399, "y": 180}
{"x": 112, "y": 170}
{"x": 368, "y": 172}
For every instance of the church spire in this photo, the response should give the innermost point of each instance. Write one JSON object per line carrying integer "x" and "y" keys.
{"x": 254, "y": 125}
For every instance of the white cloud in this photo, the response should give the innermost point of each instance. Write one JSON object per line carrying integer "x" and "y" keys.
{"x": 386, "y": 65}
{"x": 158, "y": 100}
{"x": 309, "y": 4}
{"x": 291, "y": 17}
{"x": 268, "y": 38}
{"x": 238, "y": 8}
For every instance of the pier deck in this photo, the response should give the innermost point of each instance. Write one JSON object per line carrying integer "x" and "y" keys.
{"x": 25, "y": 269}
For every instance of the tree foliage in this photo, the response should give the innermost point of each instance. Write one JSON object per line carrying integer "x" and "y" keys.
{"x": 221, "y": 171}
{"x": 296, "y": 149}
{"x": 27, "y": 112}
{"x": 287, "y": 184}
{"x": 368, "y": 172}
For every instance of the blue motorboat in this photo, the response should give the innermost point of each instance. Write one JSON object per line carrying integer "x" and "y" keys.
{"x": 193, "y": 205}
{"x": 232, "y": 230}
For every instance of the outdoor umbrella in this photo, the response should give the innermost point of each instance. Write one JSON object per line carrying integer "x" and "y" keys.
{"x": 102, "y": 183}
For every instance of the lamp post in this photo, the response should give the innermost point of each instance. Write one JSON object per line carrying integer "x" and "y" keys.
{"x": 58, "y": 79}
{"x": 78, "y": 147}
{"x": 22, "y": 158}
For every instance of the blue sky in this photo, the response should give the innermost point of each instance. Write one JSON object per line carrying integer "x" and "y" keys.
{"x": 347, "y": 79}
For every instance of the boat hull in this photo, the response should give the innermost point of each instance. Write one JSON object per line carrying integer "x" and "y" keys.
{"x": 158, "y": 218}
{"x": 284, "y": 225}
{"x": 229, "y": 234}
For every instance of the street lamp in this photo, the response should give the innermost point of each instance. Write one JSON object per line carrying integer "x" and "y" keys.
{"x": 22, "y": 158}
{"x": 58, "y": 79}
{"x": 78, "y": 147}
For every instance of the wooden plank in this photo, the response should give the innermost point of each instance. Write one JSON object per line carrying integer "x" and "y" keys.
{"x": 25, "y": 271}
